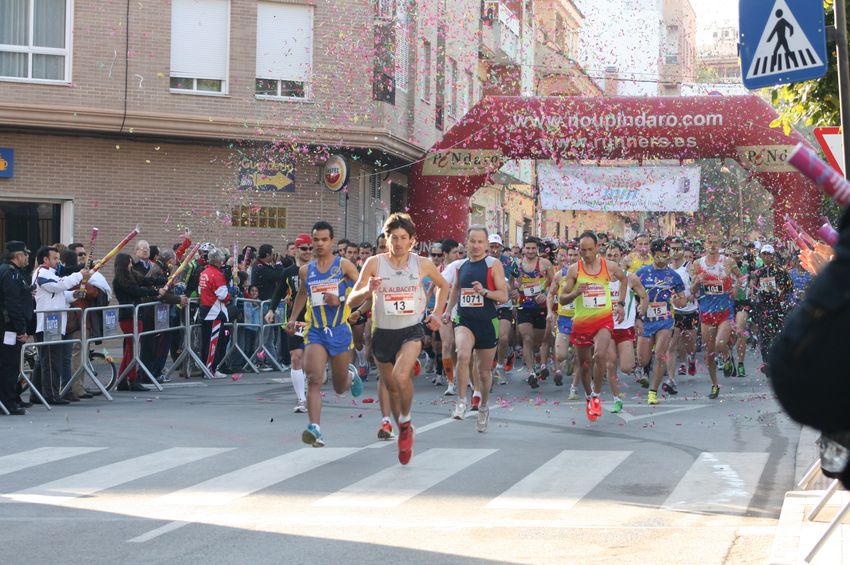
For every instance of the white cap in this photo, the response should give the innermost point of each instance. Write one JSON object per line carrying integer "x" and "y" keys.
{"x": 767, "y": 248}
{"x": 496, "y": 238}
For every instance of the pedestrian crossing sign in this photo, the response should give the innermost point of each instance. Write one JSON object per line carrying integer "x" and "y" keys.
{"x": 781, "y": 41}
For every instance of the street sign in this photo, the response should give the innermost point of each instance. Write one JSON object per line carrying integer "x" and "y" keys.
{"x": 832, "y": 143}
{"x": 782, "y": 41}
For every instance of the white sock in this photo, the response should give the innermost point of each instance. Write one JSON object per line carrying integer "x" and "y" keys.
{"x": 500, "y": 366}
{"x": 386, "y": 419}
{"x": 403, "y": 419}
{"x": 476, "y": 394}
{"x": 299, "y": 381}
{"x": 318, "y": 428}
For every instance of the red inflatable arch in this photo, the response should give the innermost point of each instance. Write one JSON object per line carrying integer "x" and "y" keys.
{"x": 595, "y": 128}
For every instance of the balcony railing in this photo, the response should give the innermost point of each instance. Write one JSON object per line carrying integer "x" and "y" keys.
{"x": 500, "y": 34}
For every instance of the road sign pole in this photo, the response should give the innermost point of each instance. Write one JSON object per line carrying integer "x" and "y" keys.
{"x": 843, "y": 78}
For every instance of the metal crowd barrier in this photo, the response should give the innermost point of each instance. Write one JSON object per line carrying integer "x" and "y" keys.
{"x": 280, "y": 318}
{"x": 187, "y": 355}
{"x": 162, "y": 325}
{"x": 238, "y": 327}
{"x": 52, "y": 326}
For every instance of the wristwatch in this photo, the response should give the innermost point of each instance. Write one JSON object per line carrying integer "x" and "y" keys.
{"x": 485, "y": 293}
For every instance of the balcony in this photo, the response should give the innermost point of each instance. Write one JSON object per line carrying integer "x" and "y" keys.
{"x": 499, "y": 34}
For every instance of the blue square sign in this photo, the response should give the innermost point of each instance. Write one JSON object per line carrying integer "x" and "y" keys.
{"x": 782, "y": 41}
{"x": 7, "y": 162}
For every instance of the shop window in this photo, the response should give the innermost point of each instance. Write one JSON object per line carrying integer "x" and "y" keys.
{"x": 35, "y": 40}
{"x": 259, "y": 217}
{"x": 199, "y": 46}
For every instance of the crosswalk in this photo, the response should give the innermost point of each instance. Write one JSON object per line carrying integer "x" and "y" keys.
{"x": 356, "y": 479}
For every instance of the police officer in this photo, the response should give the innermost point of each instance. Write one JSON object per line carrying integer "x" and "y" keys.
{"x": 16, "y": 304}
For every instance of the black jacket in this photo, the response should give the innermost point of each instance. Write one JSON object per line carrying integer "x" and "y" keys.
{"x": 266, "y": 278}
{"x": 17, "y": 301}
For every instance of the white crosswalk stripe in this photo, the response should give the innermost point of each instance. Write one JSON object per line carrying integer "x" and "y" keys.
{"x": 40, "y": 456}
{"x": 396, "y": 485}
{"x": 115, "y": 474}
{"x": 718, "y": 482}
{"x": 243, "y": 482}
{"x": 561, "y": 482}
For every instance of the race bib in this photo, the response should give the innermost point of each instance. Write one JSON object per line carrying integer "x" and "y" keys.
{"x": 657, "y": 310}
{"x": 713, "y": 289}
{"x": 529, "y": 290}
{"x": 594, "y": 296}
{"x": 300, "y": 328}
{"x": 399, "y": 304}
{"x": 52, "y": 329}
{"x": 470, "y": 299}
{"x": 767, "y": 284}
{"x": 318, "y": 291}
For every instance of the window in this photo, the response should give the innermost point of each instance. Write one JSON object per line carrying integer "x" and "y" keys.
{"x": 452, "y": 85}
{"x": 199, "y": 46}
{"x": 402, "y": 45}
{"x": 259, "y": 217}
{"x": 375, "y": 186}
{"x": 425, "y": 74}
{"x": 35, "y": 40}
{"x": 284, "y": 50}
{"x": 671, "y": 52}
{"x": 469, "y": 97}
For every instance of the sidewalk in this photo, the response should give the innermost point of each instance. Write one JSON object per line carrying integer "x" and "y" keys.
{"x": 795, "y": 535}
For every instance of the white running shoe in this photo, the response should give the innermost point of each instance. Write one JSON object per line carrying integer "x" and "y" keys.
{"x": 219, "y": 375}
{"x": 450, "y": 390}
{"x": 573, "y": 394}
{"x": 460, "y": 411}
{"x": 300, "y": 408}
{"x": 483, "y": 418}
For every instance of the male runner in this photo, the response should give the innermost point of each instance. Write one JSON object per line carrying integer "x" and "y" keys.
{"x": 479, "y": 287}
{"x": 662, "y": 285}
{"x": 772, "y": 287}
{"x": 593, "y": 322}
{"x": 715, "y": 278}
{"x": 452, "y": 252}
{"x": 394, "y": 281}
{"x": 323, "y": 285}
{"x": 685, "y": 321}
{"x": 504, "y": 312}
{"x": 288, "y": 289}
{"x": 564, "y": 352}
{"x": 534, "y": 278}
{"x": 743, "y": 304}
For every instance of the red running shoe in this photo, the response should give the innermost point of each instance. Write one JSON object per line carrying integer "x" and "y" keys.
{"x": 692, "y": 365}
{"x": 509, "y": 362}
{"x": 405, "y": 442}
{"x": 591, "y": 412}
{"x": 476, "y": 402}
{"x": 597, "y": 405}
{"x": 417, "y": 368}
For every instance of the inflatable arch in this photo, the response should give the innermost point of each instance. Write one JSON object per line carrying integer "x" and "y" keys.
{"x": 499, "y": 128}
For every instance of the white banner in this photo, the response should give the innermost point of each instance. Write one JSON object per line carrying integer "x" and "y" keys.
{"x": 618, "y": 189}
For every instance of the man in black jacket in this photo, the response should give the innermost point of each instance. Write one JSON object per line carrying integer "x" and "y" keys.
{"x": 266, "y": 276}
{"x": 15, "y": 321}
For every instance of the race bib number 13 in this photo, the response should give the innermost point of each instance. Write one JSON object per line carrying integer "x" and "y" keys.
{"x": 399, "y": 304}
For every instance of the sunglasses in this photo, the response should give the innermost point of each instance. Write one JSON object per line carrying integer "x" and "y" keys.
{"x": 436, "y": 254}
{"x": 306, "y": 248}
{"x": 81, "y": 254}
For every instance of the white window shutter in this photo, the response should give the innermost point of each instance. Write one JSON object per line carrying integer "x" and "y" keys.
{"x": 199, "y": 37}
{"x": 284, "y": 41}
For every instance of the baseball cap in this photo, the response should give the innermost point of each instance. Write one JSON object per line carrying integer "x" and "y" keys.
{"x": 303, "y": 239}
{"x": 767, "y": 248}
{"x": 495, "y": 238}
{"x": 16, "y": 247}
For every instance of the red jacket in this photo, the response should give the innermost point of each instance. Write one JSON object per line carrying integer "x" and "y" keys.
{"x": 213, "y": 289}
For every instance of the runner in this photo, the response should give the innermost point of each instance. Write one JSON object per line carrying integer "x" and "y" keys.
{"x": 593, "y": 322}
{"x": 534, "y": 279}
{"x": 772, "y": 287}
{"x": 479, "y": 287}
{"x": 743, "y": 306}
{"x": 289, "y": 288}
{"x": 685, "y": 319}
{"x": 394, "y": 281}
{"x": 504, "y": 311}
{"x": 715, "y": 277}
{"x": 622, "y": 346}
{"x": 452, "y": 252}
{"x": 663, "y": 285}
{"x": 564, "y": 351}
{"x": 323, "y": 285}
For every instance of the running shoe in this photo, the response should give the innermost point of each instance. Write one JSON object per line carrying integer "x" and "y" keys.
{"x": 682, "y": 369}
{"x": 163, "y": 378}
{"x": 219, "y": 375}
{"x": 742, "y": 372}
{"x": 499, "y": 377}
{"x": 483, "y": 418}
{"x": 417, "y": 368}
{"x": 728, "y": 367}
{"x": 405, "y": 442}
{"x": 589, "y": 410}
{"x": 460, "y": 411}
{"x": 559, "y": 378}
{"x": 644, "y": 381}
{"x": 356, "y": 381}
{"x": 618, "y": 406}
{"x": 692, "y": 365}
{"x": 532, "y": 381}
{"x": 476, "y": 402}
{"x": 573, "y": 394}
{"x": 362, "y": 371}
{"x": 300, "y": 408}
{"x": 385, "y": 432}
{"x": 596, "y": 403}
{"x": 312, "y": 436}
{"x": 715, "y": 392}
{"x": 543, "y": 373}
{"x": 670, "y": 388}
{"x": 509, "y": 362}
{"x": 652, "y": 397}
{"x": 450, "y": 390}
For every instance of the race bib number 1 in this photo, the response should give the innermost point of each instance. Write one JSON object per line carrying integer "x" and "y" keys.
{"x": 594, "y": 296}
{"x": 399, "y": 304}
{"x": 318, "y": 291}
{"x": 470, "y": 299}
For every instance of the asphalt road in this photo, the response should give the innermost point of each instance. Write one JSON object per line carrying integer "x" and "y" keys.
{"x": 215, "y": 472}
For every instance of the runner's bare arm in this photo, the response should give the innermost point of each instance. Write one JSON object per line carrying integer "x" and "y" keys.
{"x": 571, "y": 289}
{"x": 361, "y": 290}
{"x": 552, "y": 295}
{"x": 640, "y": 292}
{"x": 300, "y": 298}
{"x": 450, "y": 304}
